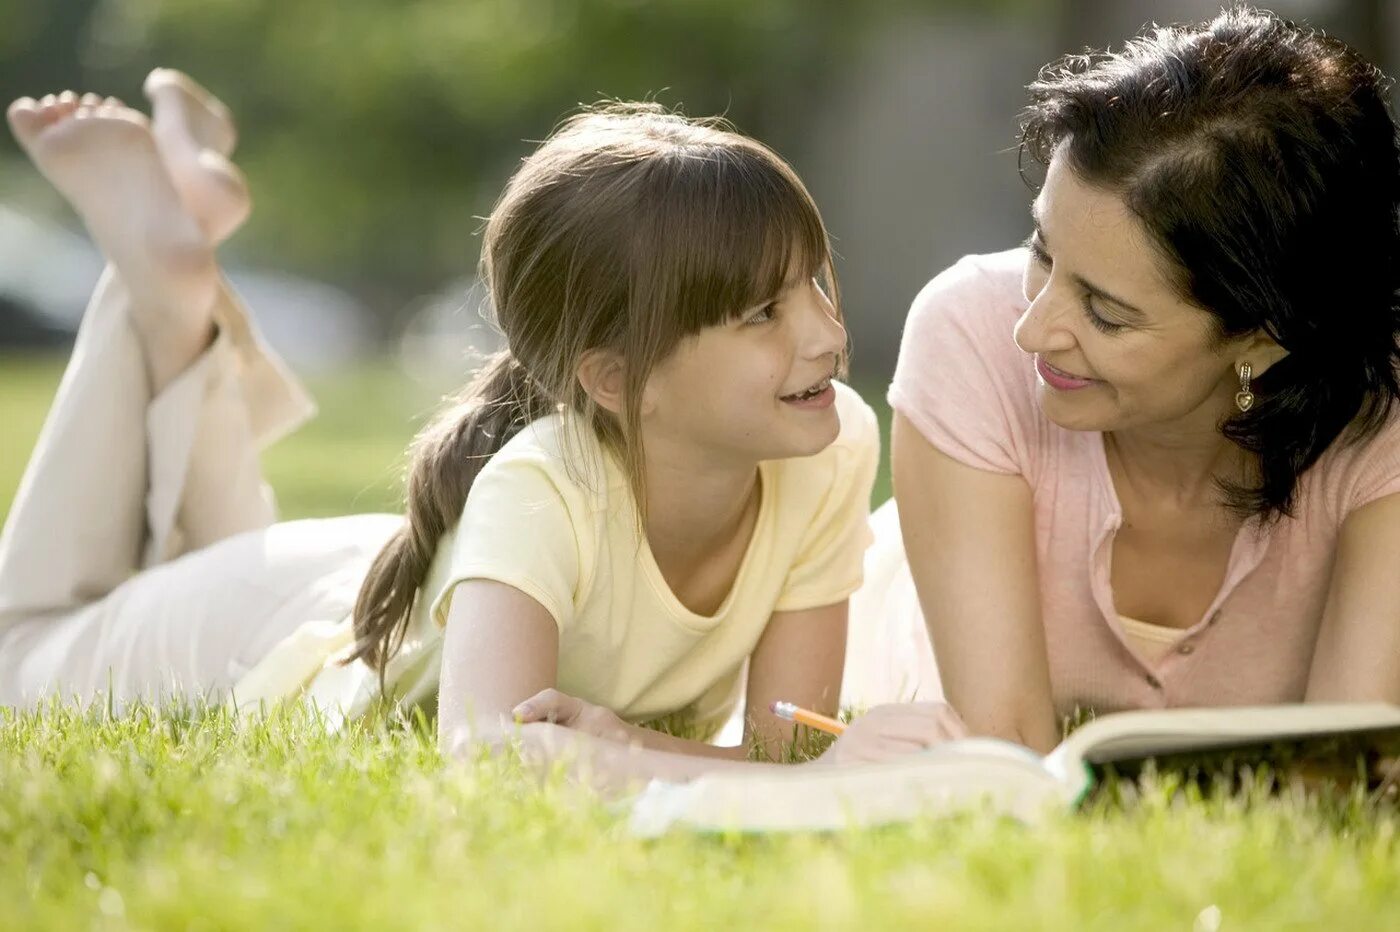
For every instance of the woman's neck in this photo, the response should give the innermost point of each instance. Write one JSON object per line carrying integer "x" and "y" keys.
{"x": 1178, "y": 462}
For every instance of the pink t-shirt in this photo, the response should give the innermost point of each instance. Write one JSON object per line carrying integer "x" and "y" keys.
{"x": 963, "y": 382}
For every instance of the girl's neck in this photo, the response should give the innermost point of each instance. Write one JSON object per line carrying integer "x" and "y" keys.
{"x": 695, "y": 507}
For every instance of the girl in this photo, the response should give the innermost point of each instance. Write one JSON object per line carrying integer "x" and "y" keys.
{"x": 654, "y": 499}
{"x": 1152, "y": 459}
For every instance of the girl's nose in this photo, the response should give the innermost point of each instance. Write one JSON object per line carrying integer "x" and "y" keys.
{"x": 826, "y": 335}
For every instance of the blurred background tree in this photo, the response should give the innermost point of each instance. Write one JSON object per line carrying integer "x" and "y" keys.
{"x": 376, "y": 134}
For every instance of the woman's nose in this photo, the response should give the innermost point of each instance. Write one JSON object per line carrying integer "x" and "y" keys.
{"x": 1042, "y": 328}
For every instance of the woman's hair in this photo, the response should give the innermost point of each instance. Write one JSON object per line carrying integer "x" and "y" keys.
{"x": 1262, "y": 158}
{"x": 628, "y": 230}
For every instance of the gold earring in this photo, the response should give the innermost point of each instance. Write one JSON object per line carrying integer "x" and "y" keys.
{"x": 1244, "y": 398}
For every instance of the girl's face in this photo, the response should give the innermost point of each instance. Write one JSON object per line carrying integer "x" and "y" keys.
{"x": 1115, "y": 345}
{"x": 756, "y": 387}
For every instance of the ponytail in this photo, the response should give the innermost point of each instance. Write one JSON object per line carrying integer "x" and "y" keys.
{"x": 447, "y": 456}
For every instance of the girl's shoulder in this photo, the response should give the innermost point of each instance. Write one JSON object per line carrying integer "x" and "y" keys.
{"x": 858, "y": 440}
{"x": 555, "y": 455}
{"x": 842, "y": 468}
{"x": 860, "y": 428}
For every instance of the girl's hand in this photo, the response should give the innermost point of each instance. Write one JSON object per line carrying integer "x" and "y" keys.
{"x": 890, "y": 731}
{"x": 551, "y": 705}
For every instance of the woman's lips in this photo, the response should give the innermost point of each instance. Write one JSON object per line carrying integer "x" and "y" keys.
{"x": 1057, "y": 379}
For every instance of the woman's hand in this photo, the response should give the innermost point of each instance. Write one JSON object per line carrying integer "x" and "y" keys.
{"x": 551, "y": 705}
{"x": 890, "y": 731}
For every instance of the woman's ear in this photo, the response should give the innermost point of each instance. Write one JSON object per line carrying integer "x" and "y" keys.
{"x": 601, "y": 374}
{"x": 1261, "y": 352}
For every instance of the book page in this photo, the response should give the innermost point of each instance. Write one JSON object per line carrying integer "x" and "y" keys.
{"x": 1136, "y": 735}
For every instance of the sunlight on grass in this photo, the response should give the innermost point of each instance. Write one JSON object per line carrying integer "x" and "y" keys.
{"x": 190, "y": 819}
{"x": 184, "y": 818}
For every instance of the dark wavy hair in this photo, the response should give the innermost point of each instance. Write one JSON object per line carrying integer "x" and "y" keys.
{"x": 1262, "y": 157}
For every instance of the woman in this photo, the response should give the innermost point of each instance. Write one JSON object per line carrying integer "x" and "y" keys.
{"x": 1149, "y": 460}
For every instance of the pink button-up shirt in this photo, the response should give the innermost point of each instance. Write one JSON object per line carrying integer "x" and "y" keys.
{"x": 963, "y": 382}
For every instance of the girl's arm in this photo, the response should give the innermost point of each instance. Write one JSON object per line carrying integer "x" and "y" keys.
{"x": 798, "y": 658}
{"x": 970, "y": 539}
{"x": 1358, "y": 647}
{"x": 502, "y": 647}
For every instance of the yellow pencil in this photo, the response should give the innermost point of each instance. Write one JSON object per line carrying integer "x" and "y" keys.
{"x": 795, "y": 713}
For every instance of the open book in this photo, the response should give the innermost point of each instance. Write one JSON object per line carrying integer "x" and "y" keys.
{"x": 978, "y": 772}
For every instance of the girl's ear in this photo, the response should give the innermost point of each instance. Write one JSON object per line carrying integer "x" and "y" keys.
{"x": 1261, "y": 352}
{"x": 601, "y": 374}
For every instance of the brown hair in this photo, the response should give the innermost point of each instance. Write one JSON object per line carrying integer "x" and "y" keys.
{"x": 629, "y": 229}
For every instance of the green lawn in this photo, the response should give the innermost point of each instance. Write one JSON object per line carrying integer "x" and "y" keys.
{"x": 188, "y": 821}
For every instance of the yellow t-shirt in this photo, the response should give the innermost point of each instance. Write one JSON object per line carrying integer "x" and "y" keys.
{"x": 567, "y": 536}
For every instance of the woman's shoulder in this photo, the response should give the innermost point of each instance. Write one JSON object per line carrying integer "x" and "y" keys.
{"x": 983, "y": 291}
{"x": 961, "y": 379}
{"x": 1355, "y": 471}
{"x": 964, "y": 319}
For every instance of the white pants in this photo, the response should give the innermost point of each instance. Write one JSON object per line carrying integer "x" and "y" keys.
{"x": 889, "y": 656}
{"x": 140, "y": 554}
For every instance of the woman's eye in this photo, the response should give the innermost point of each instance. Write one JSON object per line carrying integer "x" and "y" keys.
{"x": 1097, "y": 320}
{"x": 1038, "y": 252}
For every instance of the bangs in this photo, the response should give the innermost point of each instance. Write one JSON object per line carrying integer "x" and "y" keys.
{"x": 736, "y": 228}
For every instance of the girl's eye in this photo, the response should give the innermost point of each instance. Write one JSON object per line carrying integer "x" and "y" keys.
{"x": 1097, "y": 320}
{"x": 763, "y": 315}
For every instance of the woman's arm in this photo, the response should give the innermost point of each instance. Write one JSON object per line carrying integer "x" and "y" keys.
{"x": 1358, "y": 647}
{"x": 970, "y": 539}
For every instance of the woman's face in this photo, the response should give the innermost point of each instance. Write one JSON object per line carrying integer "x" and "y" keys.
{"x": 1115, "y": 345}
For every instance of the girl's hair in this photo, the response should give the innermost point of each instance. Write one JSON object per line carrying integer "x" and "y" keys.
{"x": 1262, "y": 158}
{"x": 629, "y": 229}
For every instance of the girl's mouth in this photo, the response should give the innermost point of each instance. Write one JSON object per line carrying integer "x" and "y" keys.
{"x": 819, "y": 395}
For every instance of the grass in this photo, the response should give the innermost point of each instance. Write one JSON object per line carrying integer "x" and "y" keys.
{"x": 185, "y": 819}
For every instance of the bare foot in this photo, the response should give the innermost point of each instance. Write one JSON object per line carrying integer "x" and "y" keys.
{"x": 195, "y": 134}
{"x": 103, "y": 159}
